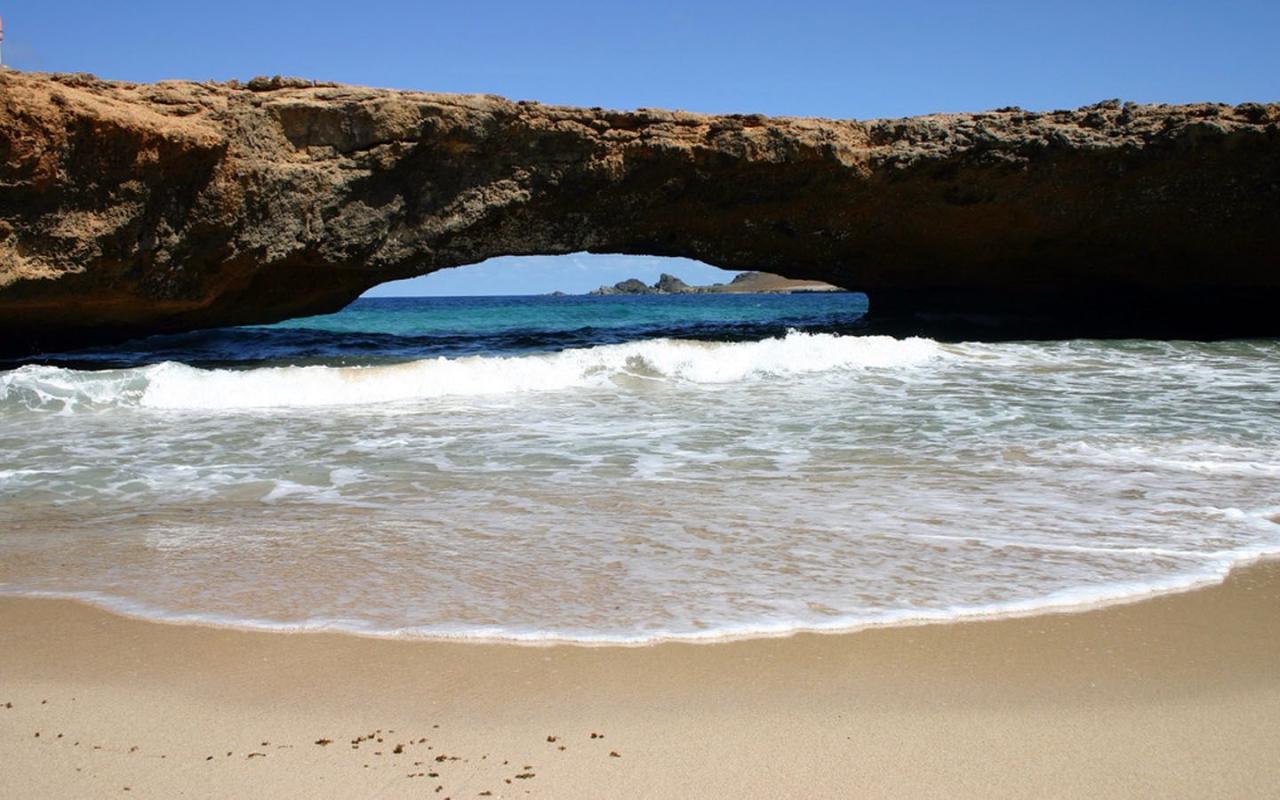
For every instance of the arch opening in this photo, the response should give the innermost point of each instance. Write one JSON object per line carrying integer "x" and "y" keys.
{"x": 571, "y": 274}
{"x": 510, "y": 306}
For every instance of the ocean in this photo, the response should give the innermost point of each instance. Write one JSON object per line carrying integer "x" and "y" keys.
{"x": 628, "y": 470}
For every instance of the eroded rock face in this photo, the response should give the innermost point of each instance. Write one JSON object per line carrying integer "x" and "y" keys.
{"x": 128, "y": 209}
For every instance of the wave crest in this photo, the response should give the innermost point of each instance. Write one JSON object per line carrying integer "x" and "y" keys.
{"x": 174, "y": 385}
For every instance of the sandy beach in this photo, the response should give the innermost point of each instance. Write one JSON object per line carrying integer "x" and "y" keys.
{"x": 696, "y": 400}
{"x": 1177, "y": 696}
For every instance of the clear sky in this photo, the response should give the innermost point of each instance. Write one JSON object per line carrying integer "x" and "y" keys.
{"x": 837, "y": 59}
{"x": 573, "y": 274}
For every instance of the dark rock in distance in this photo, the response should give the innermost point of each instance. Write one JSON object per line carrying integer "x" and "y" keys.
{"x": 670, "y": 284}
{"x": 629, "y": 286}
{"x": 745, "y": 283}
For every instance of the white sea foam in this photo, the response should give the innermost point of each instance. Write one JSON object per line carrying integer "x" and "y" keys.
{"x": 648, "y": 491}
{"x": 36, "y": 387}
{"x": 1071, "y": 600}
{"x": 177, "y": 386}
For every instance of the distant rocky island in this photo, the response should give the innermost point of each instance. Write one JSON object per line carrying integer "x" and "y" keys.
{"x": 746, "y": 283}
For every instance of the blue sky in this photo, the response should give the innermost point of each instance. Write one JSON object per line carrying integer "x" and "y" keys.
{"x": 573, "y": 274}
{"x": 836, "y": 59}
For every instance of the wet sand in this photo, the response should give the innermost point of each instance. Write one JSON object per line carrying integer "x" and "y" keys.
{"x": 1177, "y": 696}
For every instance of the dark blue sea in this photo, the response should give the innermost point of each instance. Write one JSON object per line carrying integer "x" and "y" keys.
{"x": 389, "y": 329}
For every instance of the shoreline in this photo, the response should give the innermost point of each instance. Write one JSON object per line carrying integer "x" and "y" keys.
{"x": 1017, "y": 610}
{"x": 1175, "y": 696}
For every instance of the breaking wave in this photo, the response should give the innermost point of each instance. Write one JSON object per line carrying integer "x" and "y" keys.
{"x": 172, "y": 385}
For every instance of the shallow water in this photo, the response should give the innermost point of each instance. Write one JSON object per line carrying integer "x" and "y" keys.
{"x": 637, "y": 489}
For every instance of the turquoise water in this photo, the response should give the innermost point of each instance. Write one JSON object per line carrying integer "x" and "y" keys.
{"x": 382, "y": 330}
{"x": 618, "y": 315}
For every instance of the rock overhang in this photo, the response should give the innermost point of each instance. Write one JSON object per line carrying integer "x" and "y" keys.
{"x": 128, "y": 209}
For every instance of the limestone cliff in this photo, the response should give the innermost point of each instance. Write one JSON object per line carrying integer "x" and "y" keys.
{"x": 129, "y": 209}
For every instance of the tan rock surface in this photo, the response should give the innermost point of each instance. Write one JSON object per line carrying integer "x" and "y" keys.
{"x": 128, "y": 209}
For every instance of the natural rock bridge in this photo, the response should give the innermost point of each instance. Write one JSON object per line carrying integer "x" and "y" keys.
{"x": 132, "y": 209}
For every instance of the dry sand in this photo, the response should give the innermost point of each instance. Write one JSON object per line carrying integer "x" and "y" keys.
{"x": 1177, "y": 696}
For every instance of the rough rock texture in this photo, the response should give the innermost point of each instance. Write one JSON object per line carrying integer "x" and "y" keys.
{"x": 129, "y": 209}
{"x": 670, "y": 284}
{"x": 628, "y": 286}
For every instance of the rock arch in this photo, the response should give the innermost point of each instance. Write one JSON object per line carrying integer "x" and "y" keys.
{"x": 128, "y": 209}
